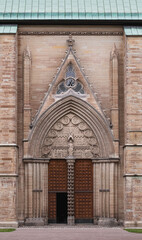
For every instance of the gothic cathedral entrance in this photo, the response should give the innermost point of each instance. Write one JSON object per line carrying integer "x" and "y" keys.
{"x": 71, "y": 178}
{"x": 70, "y": 160}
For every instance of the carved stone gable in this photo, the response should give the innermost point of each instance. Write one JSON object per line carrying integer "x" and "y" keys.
{"x": 69, "y": 80}
{"x": 70, "y": 136}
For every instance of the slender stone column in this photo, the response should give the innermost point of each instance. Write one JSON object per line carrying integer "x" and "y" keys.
{"x": 95, "y": 194}
{"x": 70, "y": 201}
{"x": 114, "y": 108}
{"x": 36, "y": 192}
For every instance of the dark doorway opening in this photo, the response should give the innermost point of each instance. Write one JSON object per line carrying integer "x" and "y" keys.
{"x": 61, "y": 201}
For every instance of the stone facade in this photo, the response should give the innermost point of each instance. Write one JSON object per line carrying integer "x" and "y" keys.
{"x": 133, "y": 132}
{"x": 8, "y": 130}
{"x": 71, "y": 97}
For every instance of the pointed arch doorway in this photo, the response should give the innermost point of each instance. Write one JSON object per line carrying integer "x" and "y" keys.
{"x": 70, "y": 180}
{"x": 66, "y": 139}
{"x": 70, "y": 145}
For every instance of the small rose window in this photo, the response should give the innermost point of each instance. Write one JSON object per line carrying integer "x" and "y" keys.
{"x": 70, "y": 82}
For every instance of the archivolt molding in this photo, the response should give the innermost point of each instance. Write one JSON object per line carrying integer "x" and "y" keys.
{"x": 58, "y": 122}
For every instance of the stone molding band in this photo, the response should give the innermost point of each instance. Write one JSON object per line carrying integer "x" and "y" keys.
{"x": 46, "y": 160}
{"x": 8, "y": 175}
{"x": 105, "y": 161}
{"x": 132, "y": 145}
{"x": 9, "y": 224}
{"x": 64, "y": 33}
{"x": 9, "y": 145}
{"x": 132, "y": 175}
{"x": 29, "y": 160}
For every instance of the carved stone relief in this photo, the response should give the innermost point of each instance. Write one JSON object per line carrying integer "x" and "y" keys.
{"x": 70, "y": 136}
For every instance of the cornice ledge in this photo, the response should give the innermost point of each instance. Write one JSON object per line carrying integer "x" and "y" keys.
{"x": 36, "y": 160}
{"x": 9, "y": 145}
{"x": 79, "y": 33}
{"x": 132, "y": 145}
{"x": 132, "y": 175}
{"x": 8, "y": 175}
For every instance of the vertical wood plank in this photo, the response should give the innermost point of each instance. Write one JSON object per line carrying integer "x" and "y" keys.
{"x": 94, "y": 190}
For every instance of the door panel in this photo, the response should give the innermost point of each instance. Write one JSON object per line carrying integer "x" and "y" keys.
{"x": 83, "y": 190}
{"x": 57, "y": 182}
{"x": 52, "y": 206}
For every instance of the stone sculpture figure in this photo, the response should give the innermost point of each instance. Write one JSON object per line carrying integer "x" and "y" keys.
{"x": 70, "y": 143}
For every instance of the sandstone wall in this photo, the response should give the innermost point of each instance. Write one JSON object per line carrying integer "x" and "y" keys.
{"x": 46, "y": 52}
{"x": 133, "y": 132}
{"x": 45, "y": 56}
{"x": 8, "y": 130}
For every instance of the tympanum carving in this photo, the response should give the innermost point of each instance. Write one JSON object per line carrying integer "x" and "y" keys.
{"x": 70, "y": 136}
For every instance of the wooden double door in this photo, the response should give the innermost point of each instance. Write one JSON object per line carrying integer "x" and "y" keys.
{"x": 57, "y": 191}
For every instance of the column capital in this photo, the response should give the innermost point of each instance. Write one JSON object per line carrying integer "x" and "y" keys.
{"x": 70, "y": 160}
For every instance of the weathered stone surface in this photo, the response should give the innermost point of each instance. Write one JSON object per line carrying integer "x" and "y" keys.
{"x": 107, "y": 222}
{"x": 29, "y": 115}
{"x": 133, "y": 132}
{"x": 8, "y": 131}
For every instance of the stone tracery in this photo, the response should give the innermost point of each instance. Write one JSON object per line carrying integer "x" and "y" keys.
{"x": 70, "y": 82}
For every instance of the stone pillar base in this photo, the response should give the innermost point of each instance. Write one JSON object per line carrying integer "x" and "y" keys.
{"x": 107, "y": 222}
{"x": 9, "y": 224}
{"x": 133, "y": 224}
{"x": 21, "y": 223}
{"x": 71, "y": 220}
{"x": 34, "y": 222}
{"x": 95, "y": 221}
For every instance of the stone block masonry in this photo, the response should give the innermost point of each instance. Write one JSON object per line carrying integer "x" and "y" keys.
{"x": 133, "y": 132}
{"x": 8, "y": 130}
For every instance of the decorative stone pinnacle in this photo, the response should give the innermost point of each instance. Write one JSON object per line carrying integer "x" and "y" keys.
{"x": 27, "y": 53}
{"x": 114, "y": 52}
{"x": 70, "y": 41}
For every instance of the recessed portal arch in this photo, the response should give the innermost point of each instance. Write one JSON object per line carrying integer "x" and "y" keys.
{"x": 70, "y": 108}
{"x": 73, "y": 132}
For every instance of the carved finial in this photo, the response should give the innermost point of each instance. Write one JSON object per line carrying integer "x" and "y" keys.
{"x": 114, "y": 52}
{"x": 70, "y": 41}
{"x": 27, "y": 53}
